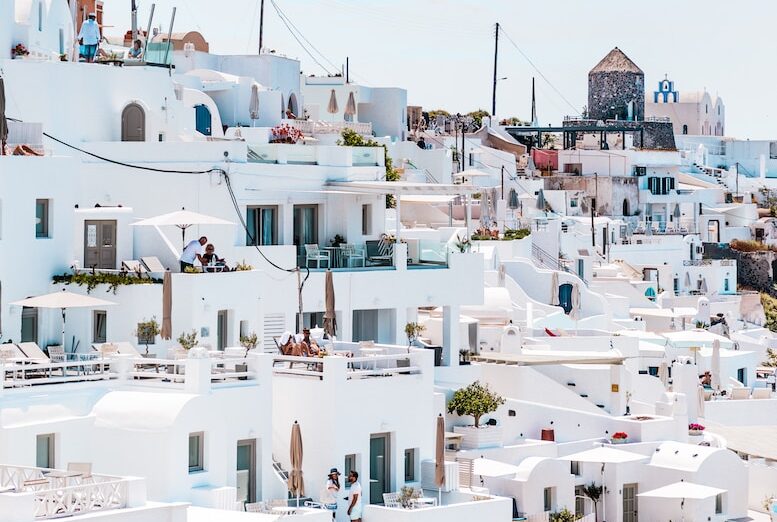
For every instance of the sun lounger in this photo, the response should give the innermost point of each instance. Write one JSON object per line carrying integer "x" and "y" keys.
{"x": 762, "y": 393}
{"x": 740, "y": 393}
{"x": 33, "y": 352}
{"x": 133, "y": 265}
{"x": 153, "y": 265}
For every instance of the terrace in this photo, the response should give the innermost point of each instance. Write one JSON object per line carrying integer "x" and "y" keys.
{"x": 28, "y": 494}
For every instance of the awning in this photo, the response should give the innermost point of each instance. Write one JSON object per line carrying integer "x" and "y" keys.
{"x": 604, "y": 455}
{"x": 429, "y": 198}
{"x": 402, "y": 188}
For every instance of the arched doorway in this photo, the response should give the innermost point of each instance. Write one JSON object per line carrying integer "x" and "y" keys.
{"x": 292, "y": 106}
{"x": 203, "y": 119}
{"x": 133, "y": 123}
{"x": 626, "y": 209}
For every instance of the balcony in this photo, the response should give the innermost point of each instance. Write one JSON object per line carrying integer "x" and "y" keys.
{"x": 28, "y": 494}
{"x": 415, "y": 254}
{"x": 311, "y": 128}
{"x": 455, "y": 505}
{"x": 322, "y": 155}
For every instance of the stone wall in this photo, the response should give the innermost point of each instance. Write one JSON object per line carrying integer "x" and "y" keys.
{"x": 754, "y": 269}
{"x": 609, "y": 94}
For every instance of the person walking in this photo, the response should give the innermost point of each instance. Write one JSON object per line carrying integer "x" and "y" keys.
{"x": 89, "y": 36}
{"x": 355, "y": 504}
{"x": 329, "y": 495}
{"x": 191, "y": 252}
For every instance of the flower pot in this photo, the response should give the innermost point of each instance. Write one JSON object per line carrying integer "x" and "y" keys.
{"x": 618, "y": 441}
{"x": 695, "y": 433}
{"x": 482, "y": 437}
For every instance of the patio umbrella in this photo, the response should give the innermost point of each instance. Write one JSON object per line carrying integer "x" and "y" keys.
{"x": 554, "y": 289}
{"x": 663, "y": 373}
{"x": 350, "y": 106}
{"x": 683, "y": 491}
{"x": 3, "y": 121}
{"x": 603, "y": 455}
{"x": 574, "y": 312}
{"x": 253, "y": 106}
{"x": 62, "y": 300}
{"x": 687, "y": 280}
{"x": 332, "y": 108}
{"x": 700, "y": 399}
{"x": 439, "y": 458}
{"x": 296, "y": 483}
{"x": 330, "y": 318}
{"x": 677, "y": 212}
{"x": 513, "y": 199}
{"x": 703, "y": 288}
{"x": 715, "y": 365}
{"x": 541, "y": 200}
{"x": 182, "y": 219}
{"x": 167, "y": 306}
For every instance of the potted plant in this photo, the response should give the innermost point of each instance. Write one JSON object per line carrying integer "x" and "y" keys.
{"x": 463, "y": 244}
{"x": 188, "y": 340}
{"x": 475, "y": 401}
{"x": 406, "y": 496}
{"x": 619, "y": 437}
{"x": 147, "y": 331}
{"x": 564, "y": 515}
{"x": 413, "y": 332}
{"x": 249, "y": 342}
{"x": 695, "y": 429}
{"x": 19, "y": 51}
{"x": 337, "y": 241}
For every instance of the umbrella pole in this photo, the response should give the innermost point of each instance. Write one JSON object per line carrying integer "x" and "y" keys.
{"x": 439, "y": 496}
{"x": 63, "y": 329}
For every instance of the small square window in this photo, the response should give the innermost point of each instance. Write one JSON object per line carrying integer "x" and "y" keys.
{"x": 196, "y": 451}
{"x": 366, "y": 220}
{"x": 348, "y": 466}
{"x": 575, "y": 468}
{"x": 99, "y": 326}
{"x": 44, "y": 451}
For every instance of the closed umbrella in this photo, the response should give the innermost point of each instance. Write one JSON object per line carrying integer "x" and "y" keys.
{"x": 332, "y": 108}
{"x": 63, "y": 301}
{"x": 330, "y": 318}
{"x": 350, "y": 107}
{"x": 700, "y": 399}
{"x": 167, "y": 306}
{"x": 688, "y": 281}
{"x": 574, "y": 312}
{"x": 715, "y": 366}
{"x": 677, "y": 212}
{"x": 513, "y": 199}
{"x": 3, "y": 121}
{"x": 541, "y": 200}
{"x": 296, "y": 483}
{"x": 554, "y": 289}
{"x": 253, "y": 107}
{"x": 703, "y": 288}
{"x": 439, "y": 458}
{"x": 663, "y": 373}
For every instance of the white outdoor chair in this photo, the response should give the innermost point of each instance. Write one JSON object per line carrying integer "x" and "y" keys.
{"x": 350, "y": 254}
{"x": 313, "y": 253}
{"x": 740, "y": 393}
{"x": 133, "y": 265}
{"x": 57, "y": 353}
{"x": 84, "y": 468}
{"x": 256, "y": 507}
{"x": 153, "y": 265}
{"x": 391, "y": 500}
{"x": 761, "y": 393}
{"x": 33, "y": 352}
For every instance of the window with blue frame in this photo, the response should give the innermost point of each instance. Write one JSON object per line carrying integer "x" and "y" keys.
{"x": 262, "y": 226}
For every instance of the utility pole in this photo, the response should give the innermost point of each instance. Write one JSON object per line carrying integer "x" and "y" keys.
{"x": 737, "y": 165}
{"x": 347, "y": 70}
{"x": 134, "y": 22}
{"x": 593, "y": 209}
{"x": 534, "y": 121}
{"x": 261, "y": 26}
{"x": 496, "y": 58}
{"x": 503, "y": 183}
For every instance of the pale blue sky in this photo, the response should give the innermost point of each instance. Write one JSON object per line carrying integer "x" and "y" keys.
{"x": 441, "y": 51}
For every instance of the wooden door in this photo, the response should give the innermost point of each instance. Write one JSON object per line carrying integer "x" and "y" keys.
{"x": 100, "y": 244}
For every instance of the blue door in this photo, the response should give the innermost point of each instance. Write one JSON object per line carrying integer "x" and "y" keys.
{"x": 202, "y": 119}
{"x": 565, "y": 297}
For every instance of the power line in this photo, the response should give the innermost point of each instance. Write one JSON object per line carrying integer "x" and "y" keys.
{"x": 294, "y": 35}
{"x": 285, "y": 16}
{"x": 542, "y": 75}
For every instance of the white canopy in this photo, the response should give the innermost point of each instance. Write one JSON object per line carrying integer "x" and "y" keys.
{"x": 605, "y": 455}
{"x": 62, "y": 300}
{"x": 181, "y": 219}
{"x": 683, "y": 490}
{"x": 551, "y": 357}
{"x": 493, "y": 468}
{"x": 697, "y": 337}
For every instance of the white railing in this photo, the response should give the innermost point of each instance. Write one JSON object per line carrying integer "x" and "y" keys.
{"x": 311, "y": 128}
{"x": 358, "y": 363}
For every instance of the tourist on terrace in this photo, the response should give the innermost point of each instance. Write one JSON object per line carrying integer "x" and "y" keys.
{"x": 136, "y": 53}
{"x": 191, "y": 252}
{"x": 329, "y": 495}
{"x": 706, "y": 380}
{"x": 421, "y": 143}
{"x": 312, "y": 346}
{"x": 355, "y": 498}
{"x": 211, "y": 262}
{"x": 89, "y": 37}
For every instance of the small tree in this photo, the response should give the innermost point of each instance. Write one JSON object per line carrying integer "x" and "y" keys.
{"x": 564, "y": 515}
{"x": 249, "y": 342}
{"x": 147, "y": 331}
{"x": 475, "y": 400}
{"x": 594, "y": 492}
{"x": 413, "y": 331}
{"x": 188, "y": 340}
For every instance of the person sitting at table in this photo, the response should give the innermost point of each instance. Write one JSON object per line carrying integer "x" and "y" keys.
{"x": 136, "y": 52}
{"x": 311, "y": 344}
{"x": 706, "y": 379}
{"x": 211, "y": 262}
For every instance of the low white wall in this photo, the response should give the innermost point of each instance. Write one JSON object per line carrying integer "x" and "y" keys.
{"x": 741, "y": 413}
{"x": 493, "y": 510}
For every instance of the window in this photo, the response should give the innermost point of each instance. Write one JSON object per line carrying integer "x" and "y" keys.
{"x": 262, "y": 226}
{"x": 640, "y": 171}
{"x": 726, "y": 287}
{"x": 410, "y": 458}
{"x": 685, "y": 129}
{"x": 579, "y": 501}
{"x": 196, "y": 451}
{"x": 61, "y": 41}
{"x": 653, "y": 370}
{"x": 348, "y": 466}
{"x": 742, "y": 376}
{"x": 311, "y": 319}
{"x": 548, "y": 499}
{"x": 573, "y": 203}
{"x": 366, "y": 220}
{"x": 29, "y": 324}
{"x": 99, "y": 326}
{"x": 676, "y": 284}
{"x": 719, "y": 503}
{"x": 574, "y": 468}
{"x": 305, "y": 226}
{"x": 44, "y": 451}
{"x": 42, "y": 218}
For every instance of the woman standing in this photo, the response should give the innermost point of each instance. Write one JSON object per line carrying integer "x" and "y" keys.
{"x": 329, "y": 495}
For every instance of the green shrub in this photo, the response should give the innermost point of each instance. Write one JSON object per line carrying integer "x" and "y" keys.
{"x": 114, "y": 280}
{"x": 475, "y": 401}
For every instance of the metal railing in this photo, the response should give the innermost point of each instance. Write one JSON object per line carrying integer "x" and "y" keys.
{"x": 310, "y": 127}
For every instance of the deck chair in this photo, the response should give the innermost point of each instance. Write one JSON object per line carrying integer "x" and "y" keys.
{"x": 32, "y": 351}
{"x": 133, "y": 265}
{"x": 57, "y": 353}
{"x": 153, "y": 265}
{"x": 125, "y": 348}
{"x": 375, "y": 254}
{"x": 256, "y": 507}
{"x": 740, "y": 393}
{"x": 391, "y": 500}
{"x": 10, "y": 351}
{"x": 762, "y": 393}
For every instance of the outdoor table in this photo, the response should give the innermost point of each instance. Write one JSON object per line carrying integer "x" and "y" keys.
{"x": 335, "y": 256}
{"x": 60, "y": 478}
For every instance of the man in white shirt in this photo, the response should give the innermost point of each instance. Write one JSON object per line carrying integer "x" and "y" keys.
{"x": 191, "y": 252}
{"x": 89, "y": 36}
{"x": 355, "y": 504}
